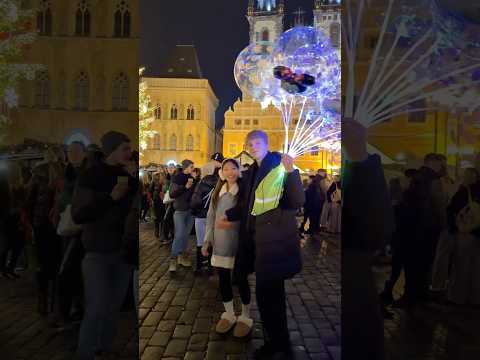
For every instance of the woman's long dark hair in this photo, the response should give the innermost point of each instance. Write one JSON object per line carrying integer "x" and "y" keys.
{"x": 221, "y": 182}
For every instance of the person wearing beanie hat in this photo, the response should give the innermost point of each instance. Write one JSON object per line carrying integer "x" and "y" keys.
{"x": 112, "y": 140}
{"x": 181, "y": 191}
{"x": 218, "y": 157}
{"x": 101, "y": 203}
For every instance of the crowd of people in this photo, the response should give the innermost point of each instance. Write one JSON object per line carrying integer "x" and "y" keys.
{"x": 436, "y": 238}
{"x": 79, "y": 210}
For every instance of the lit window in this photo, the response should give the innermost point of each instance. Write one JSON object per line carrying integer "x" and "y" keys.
{"x": 189, "y": 146}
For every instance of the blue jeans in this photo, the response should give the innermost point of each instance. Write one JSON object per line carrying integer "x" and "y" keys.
{"x": 200, "y": 225}
{"x": 183, "y": 221}
{"x": 106, "y": 278}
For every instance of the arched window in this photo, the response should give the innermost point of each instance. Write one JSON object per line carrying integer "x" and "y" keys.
{"x": 82, "y": 19}
{"x": 44, "y": 18}
{"x": 173, "y": 142}
{"x": 62, "y": 80}
{"x": 190, "y": 113}
{"x": 42, "y": 89}
{"x": 120, "y": 92}
{"x": 158, "y": 112}
{"x": 100, "y": 91}
{"x": 173, "y": 112}
{"x": 265, "y": 35}
{"x": 335, "y": 34}
{"x": 189, "y": 145}
{"x": 156, "y": 142}
{"x": 122, "y": 20}
{"x": 81, "y": 91}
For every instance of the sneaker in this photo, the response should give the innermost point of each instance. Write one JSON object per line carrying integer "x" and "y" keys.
{"x": 173, "y": 265}
{"x": 184, "y": 260}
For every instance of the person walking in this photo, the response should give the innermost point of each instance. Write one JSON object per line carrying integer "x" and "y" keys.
{"x": 315, "y": 199}
{"x": 269, "y": 239}
{"x": 201, "y": 201}
{"x": 70, "y": 287}
{"x": 101, "y": 203}
{"x": 44, "y": 186}
{"x": 464, "y": 225}
{"x": 181, "y": 191}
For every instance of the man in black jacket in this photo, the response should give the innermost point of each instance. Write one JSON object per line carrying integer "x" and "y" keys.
{"x": 181, "y": 191}
{"x": 101, "y": 203}
{"x": 269, "y": 244}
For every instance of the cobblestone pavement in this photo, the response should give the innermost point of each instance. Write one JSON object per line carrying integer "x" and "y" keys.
{"x": 431, "y": 331}
{"x": 178, "y": 313}
{"x": 24, "y": 334}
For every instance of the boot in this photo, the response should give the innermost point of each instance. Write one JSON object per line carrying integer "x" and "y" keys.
{"x": 200, "y": 259}
{"x": 184, "y": 260}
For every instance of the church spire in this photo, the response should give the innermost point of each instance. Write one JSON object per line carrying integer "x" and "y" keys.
{"x": 299, "y": 17}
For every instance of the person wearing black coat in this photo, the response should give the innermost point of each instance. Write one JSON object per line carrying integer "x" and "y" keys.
{"x": 367, "y": 220}
{"x": 314, "y": 201}
{"x": 199, "y": 206}
{"x": 269, "y": 241}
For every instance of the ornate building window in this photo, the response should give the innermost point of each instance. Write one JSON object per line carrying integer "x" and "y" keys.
{"x": 265, "y": 35}
{"x": 44, "y": 18}
{"x": 173, "y": 112}
{"x": 120, "y": 92}
{"x": 189, "y": 144}
{"x": 247, "y": 122}
{"x": 62, "y": 80}
{"x": 100, "y": 91}
{"x": 173, "y": 142}
{"x": 42, "y": 89}
{"x": 238, "y": 122}
{"x": 156, "y": 142}
{"x": 81, "y": 91}
{"x": 190, "y": 113}
{"x": 255, "y": 122}
{"x": 335, "y": 34}
{"x": 314, "y": 151}
{"x": 82, "y": 19}
{"x": 122, "y": 20}
{"x": 158, "y": 112}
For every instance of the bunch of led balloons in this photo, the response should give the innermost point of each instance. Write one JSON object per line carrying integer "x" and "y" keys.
{"x": 300, "y": 76}
{"x": 427, "y": 57}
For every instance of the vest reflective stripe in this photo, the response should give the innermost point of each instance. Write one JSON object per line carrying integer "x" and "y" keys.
{"x": 269, "y": 191}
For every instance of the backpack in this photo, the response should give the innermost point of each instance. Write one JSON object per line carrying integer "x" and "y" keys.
{"x": 468, "y": 219}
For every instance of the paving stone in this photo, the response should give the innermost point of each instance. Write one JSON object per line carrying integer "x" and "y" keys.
{"x": 146, "y": 332}
{"x": 194, "y": 355}
{"x": 202, "y": 326}
{"x": 152, "y": 353}
{"x": 182, "y": 332}
{"x": 160, "y": 338}
{"x": 198, "y": 342}
{"x": 173, "y": 313}
{"x": 314, "y": 345}
{"x": 176, "y": 347}
{"x": 152, "y": 319}
{"x": 166, "y": 325}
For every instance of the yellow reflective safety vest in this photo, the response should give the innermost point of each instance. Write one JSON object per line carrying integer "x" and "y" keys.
{"x": 269, "y": 191}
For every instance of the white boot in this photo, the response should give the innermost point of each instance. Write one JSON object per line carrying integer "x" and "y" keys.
{"x": 244, "y": 323}
{"x": 227, "y": 320}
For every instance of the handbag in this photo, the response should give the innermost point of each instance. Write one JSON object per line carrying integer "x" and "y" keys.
{"x": 337, "y": 195}
{"x": 167, "y": 199}
{"x": 66, "y": 225}
{"x": 468, "y": 219}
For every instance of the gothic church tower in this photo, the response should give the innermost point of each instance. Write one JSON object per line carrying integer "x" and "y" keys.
{"x": 266, "y": 21}
{"x": 327, "y": 18}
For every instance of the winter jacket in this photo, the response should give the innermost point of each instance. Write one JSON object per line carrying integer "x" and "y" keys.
{"x": 426, "y": 200}
{"x": 103, "y": 218}
{"x": 314, "y": 199}
{"x": 223, "y": 241}
{"x": 180, "y": 193}
{"x": 269, "y": 244}
{"x": 41, "y": 197}
{"x": 131, "y": 246}
{"x": 201, "y": 196}
{"x": 367, "y": 214}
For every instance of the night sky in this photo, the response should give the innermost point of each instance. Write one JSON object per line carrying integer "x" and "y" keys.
{"x": 219, "y": 30}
